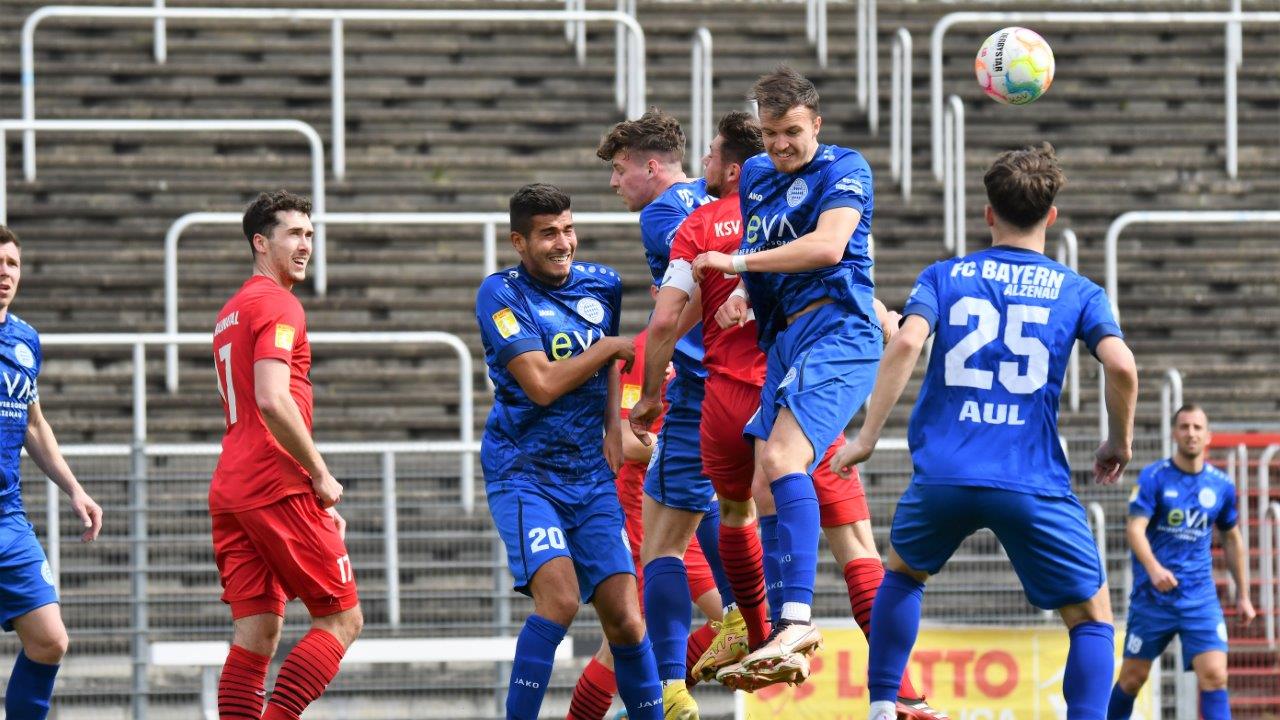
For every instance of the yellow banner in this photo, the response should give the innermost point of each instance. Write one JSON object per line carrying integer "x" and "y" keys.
{"x": 971, "y": 673}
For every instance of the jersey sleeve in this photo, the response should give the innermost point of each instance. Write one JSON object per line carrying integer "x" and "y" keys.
{"x": 1142, "y": 501}
{"x": 505, "y": 322}
{"x": 923, "y": 300}
{"x": 37, "y": 349}
{"x": 1096, "y": 318}
{"x": 278, "y": 328}
{"x": 615, "y": 304}
{"x": 659, "y": 222}
{"x": 684, "y": 249}
{"x": 848, "y": 184}
{"x": 1229, "y": 515}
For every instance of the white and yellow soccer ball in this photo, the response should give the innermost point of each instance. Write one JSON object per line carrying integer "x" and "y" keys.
{"x": 1014, "y": 66}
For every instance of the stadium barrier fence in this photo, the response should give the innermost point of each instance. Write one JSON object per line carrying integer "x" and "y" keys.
{"x": 953, "y": 237}
{"x": 702, "y": 122}
{"x": 900, "y": 112}
{"x": 629, "y": 72}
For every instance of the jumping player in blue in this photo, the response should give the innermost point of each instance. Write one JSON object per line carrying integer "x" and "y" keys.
{"x": 646, "y": 157}
{"x": 552, "y": 445}
{"x": 28, "y": 599}
{"x": 1172, "y": 512}
{"x": 807, "y": 211}
{"x": 984, "y": 431}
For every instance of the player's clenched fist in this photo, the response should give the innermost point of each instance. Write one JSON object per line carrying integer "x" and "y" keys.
{"x": 712, "y": 262}
{"x": 1162, "y": 579}
{"x": 856, "y": 451}
{"x": 643, "y": 414}
{"x": 622, "y": 348}
{"x": 734, "y": 311}
{"x": 327, "y": 489}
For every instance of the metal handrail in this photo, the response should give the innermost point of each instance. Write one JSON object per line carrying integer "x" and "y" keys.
{"x": 297, "y": 126}
{"x": 489, "y": 222}
{"x": 1270, "y": 568}
{"x": 953, "y": 184}
{"x": 1242, "y": 492}
{"x": 629, "y": 72}
{"x": 1098, "y": 519}
{"x": 815, "y": 25}
{"x": 701, "y": 122}
{"x": 1170, "y": 401}
{"x": 869, "y": 63}
{"x": 900, "y": 112}
{"x": 575, "y": 31}
{"x": 1069, "y": 255}
{"x": 999, "y": 19}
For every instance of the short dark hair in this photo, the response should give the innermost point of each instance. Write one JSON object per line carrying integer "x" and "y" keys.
{"x": 260, "y": 217}
{"x": 1188, "y": 407}
{"x": 741, "y": 137}
{"x": 777, "y": 92}
{"x": 535, "y": 199}
{"x": 7, "y": 237}
{"x": 1021, "y": 184}
{"x": 655, "y": 132}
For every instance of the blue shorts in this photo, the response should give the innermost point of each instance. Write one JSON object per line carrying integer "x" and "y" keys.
{"x": 675, "y": 478}
{"x": 1152, "y": 625}
{"x": 1047, "y": 538}
{"x": 26, "y": 580}
{"x": 583, "y": 522}
{"x": 822, "y": 369}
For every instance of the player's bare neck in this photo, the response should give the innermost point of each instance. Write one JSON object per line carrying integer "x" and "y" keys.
{"x": 285, "y": 281}
{"x": 1189, "y": 465}
{"x": 1028, "y": 241}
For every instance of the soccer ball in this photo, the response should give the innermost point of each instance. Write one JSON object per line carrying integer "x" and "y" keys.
{"x": 1014, "y": 66}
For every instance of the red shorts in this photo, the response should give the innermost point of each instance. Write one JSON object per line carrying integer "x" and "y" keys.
{"x": 630, "y": 483}
{"x": 728, "y": 458}
{"x": 291, "y": 548}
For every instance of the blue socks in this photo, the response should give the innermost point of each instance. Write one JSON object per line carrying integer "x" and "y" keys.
{"x": 1121, "y": 705}
{"x": 669, "y": 613}
{"x": 531, "y": 670}
{"x": 799, "y": 525}
{"x": 709, "y": 538}
{"x": 895, "y": 623}
{"x": 772, "y": 568}
{"x": 1214, "y": 706}
{"x": 1086, "y": 682}
{"x": 30, "y": 688}
{"x": 638, "y": 683}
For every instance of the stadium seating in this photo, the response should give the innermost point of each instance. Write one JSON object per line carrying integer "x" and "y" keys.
{"x": 454, "y": 119}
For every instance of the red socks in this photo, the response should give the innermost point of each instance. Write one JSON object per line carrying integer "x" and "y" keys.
{"x": 304, "y": 675}
{"x": 863, "y": 577}
{"x": 699, "y": 641}
{"x": 243, "y": 685}
{"x": 594, "y": 693}
{"x": 742, "y": 556}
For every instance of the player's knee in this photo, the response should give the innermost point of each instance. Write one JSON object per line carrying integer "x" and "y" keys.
{"x": 776, "y": 461}
{"x": 736, "y": 514}
{"x": 560, "y": 608}
{"x": 49, "y": 648}
{"x": 1212, "y": 678}
{"x": 1132, "y": 677}
{"x": 624, "y": 629}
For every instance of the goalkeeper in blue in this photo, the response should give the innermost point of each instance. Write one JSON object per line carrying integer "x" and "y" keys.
{"x": 1172, "y": 513}
{"x": 984, "y": 432}
{"x": 28, "y": 598}
{"x": 552, "y": 445}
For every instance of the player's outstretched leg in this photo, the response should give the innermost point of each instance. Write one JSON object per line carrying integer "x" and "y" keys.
{"x": 1086, "y": 681}
{"x": 1211, "y": 672}
{"x": 242, "y": 685}
{"x": 708, "y": 534}
{"x": 1133, "y": 675}
{"x": 313, "y": 663}
{"x": 895, "y": 615}
{"x": 593, "y": 694}
{"x": 554, "y": 587}
{"x": 44, "y": 643}
{"x": 618, "y": 606}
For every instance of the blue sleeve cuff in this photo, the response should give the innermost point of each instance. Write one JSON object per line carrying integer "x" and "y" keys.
{"x": 843, "y": 202}
{"x": 923, "y": 311}
{"x": 1136, "y": 510}
{"x": 518, "y": 347}
{"x": 1097, "y": 334}
{"x": 1227, "y": 526}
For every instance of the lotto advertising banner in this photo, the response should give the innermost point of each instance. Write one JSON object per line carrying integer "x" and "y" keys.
{"x": 972, "y": 673}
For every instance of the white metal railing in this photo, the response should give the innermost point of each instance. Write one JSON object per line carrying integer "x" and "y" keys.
{"x": 815, "y": 26}
{"x": 900, "y": 112}
{"x": 295, "y": 126}
{"x": 1170, "y": 401}
{"x": 1238, "y": 470}
{"x": 1269, "y": 570}
{"x": 629, "y": 72}
{"x": 868, "y": 64}
{"x": 1231, "y": 62}
{"x": 575, "y": 31}
{"x": 1140, "y": 217}
{"x": 489, "y": 221}
{"x": 1098, "y": 519}
{"x": 701, "y": 121}
{"x": 1069, "y": 255}
{"x": 953, "y": 181}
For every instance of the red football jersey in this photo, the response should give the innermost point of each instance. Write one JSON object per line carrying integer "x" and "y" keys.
{"x": 733, "y": 351}
{"x": 262, "y": 320}
{"x": 631, "y": 384}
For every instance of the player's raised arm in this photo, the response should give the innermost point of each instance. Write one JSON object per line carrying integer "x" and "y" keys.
{"x": 1122, "y": 399}
{"x": 42, "y": 446}
{"x": 284, "y": 421}
{"x": 545, "y": 381}
{"x": 821, "y": 248}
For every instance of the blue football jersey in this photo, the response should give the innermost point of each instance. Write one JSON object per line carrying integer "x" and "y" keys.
{"x": 563, "y": 442}
{"x": 20, "y": 360}
{"x": 1182, "y": 508}
{"x": 779, "y": 207}
{"x": 1005, "y": 321}
{"x": 659, "y": 221}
